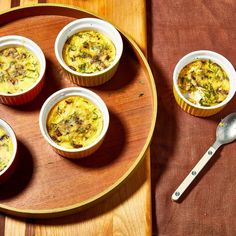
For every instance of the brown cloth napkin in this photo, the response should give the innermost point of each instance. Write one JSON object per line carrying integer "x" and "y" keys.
{"x": 177, "y": 27}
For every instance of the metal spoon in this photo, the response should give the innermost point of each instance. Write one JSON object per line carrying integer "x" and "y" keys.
{"x": 225, "y": 133}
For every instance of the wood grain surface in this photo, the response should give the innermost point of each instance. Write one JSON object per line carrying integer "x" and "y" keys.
{"x": 69, "y": 184}
{"x": 127, "y": 211}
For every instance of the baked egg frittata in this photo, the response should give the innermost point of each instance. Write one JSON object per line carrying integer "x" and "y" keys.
{"x": 74, "y": 122}
{"x": 6, "y": 149}
{"x": 89, "y": 52}
{"x": 204, "y": 82}
{"x": 19, "y": 69}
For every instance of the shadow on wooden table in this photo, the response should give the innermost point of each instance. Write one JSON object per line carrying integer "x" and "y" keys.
{"x": 21, "y": 176}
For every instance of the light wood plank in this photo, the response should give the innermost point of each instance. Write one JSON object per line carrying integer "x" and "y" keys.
{"x": 27, "y": 2}
{"x": 5, "y": 4}
{"x": 14, "y": 227}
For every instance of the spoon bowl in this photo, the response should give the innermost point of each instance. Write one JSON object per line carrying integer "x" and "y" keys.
{"x": 226, "y": 130}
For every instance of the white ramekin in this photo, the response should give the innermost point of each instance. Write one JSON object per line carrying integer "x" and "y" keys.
{"x": 58, "y": 96}
{"x": 32, "y": 92}
{"x": 9, "y": 169}
{"x": 83, "y": 24}
{"x": 198, "y": 110}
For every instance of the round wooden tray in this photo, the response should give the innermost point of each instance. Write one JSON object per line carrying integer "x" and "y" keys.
{"x": 46, "y": 184}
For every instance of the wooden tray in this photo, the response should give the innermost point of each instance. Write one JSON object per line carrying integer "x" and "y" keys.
{"x": 45, "y": 184}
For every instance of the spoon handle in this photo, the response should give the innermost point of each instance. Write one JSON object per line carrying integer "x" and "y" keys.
{"x": 193, "y": 174}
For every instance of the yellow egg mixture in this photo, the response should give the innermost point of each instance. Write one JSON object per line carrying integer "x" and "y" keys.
{"x": 6, "y": 149}
{"x": 74, "y": 122}
{"x": 89, "y": 52}
{"x": 19, "y": 69}
{"x": 203, "y": 82}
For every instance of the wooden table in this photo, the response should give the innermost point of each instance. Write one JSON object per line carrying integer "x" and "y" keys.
{"x": 128, "y": 210}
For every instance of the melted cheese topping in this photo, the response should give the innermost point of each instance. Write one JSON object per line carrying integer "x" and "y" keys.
{"x": 74, "y": 122}
{"x": 88, "y": 52}
{"x": 19, "y": 69}
{"x": 6, "y": 149}
{"x": 204, "y": 83}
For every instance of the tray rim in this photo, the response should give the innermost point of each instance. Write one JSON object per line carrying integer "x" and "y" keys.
{"x": 70, "y": 209}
